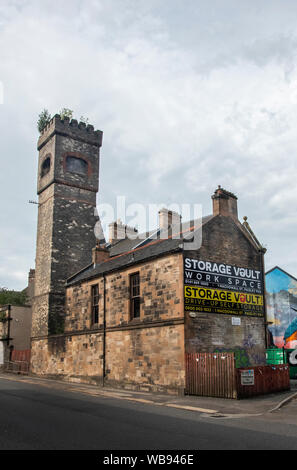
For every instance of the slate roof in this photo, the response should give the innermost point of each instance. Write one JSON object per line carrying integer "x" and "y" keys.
{"x": 125, "y": 253}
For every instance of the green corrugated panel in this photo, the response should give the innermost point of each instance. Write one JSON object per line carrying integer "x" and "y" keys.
{"x": 275, "y": 356}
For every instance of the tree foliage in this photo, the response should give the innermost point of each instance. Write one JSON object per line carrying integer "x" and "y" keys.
{"x": 66, "y": 113}
{"x": 3, "y": 316}
{"x": 85, "y": 120}
{"x": 43, "y": 119}
{"x": 12, "y": 297}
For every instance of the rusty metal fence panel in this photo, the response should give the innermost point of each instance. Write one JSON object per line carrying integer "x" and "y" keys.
{"x": 211, "y": 374}
{"x": 267, "y": 379}
{"x": 20, "y": 362}
{"x": 21, "y": 355}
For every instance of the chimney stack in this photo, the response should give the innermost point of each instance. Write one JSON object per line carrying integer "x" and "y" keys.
{"x": 99, "y": 254}
{"x": 169, "y": 220}
{"x": 224, "y": 203}
{"x": 120, "y": 231}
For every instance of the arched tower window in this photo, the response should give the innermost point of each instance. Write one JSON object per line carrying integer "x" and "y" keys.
{"x": 76, "y": 165}
{"x": 45, "y": 167}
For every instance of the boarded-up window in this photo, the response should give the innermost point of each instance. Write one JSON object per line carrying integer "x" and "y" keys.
{"x": 134, "y": 296}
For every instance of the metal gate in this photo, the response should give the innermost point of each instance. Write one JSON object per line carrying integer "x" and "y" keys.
{"x": 20, "y": 362}
{"x": 211, "y": 375}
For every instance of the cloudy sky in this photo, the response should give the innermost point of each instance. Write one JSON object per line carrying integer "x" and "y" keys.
{"x": 189, "y": 94}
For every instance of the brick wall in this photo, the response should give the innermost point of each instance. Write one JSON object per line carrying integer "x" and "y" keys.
{"x": 20, "y": 327}
{"x": 224, "y": 242}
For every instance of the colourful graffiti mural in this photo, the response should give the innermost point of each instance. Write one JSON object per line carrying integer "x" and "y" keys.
{"x": 281, "y": 298}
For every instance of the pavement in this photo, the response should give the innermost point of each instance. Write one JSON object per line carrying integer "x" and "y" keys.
{"x": 210, "y": 406}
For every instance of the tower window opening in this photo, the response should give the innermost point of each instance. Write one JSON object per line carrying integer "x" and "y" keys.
{"x": 76, "y": 165}
{"x": 45, "y": 167}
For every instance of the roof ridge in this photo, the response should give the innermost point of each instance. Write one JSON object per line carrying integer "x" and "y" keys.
{"x": 154, "y": 242}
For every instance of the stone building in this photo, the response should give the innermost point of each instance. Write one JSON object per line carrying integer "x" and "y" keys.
{"x": 68, "y": 175}
{"x": 16, "y": 324}
{"x": 125, "y": 312}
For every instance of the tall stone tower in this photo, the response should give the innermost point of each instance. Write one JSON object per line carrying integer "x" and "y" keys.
{"x": 68, "y": 175}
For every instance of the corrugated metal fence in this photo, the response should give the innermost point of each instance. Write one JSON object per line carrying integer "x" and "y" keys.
{"x": 215, "y": 375}
{"x": 211, "y": 375}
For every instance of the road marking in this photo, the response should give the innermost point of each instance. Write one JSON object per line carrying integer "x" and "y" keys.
{"x": 105, "y": 394}
{"x": 191, "y": 408}
{"x": 142, "y": 400}
{"x": 66, "y": 387}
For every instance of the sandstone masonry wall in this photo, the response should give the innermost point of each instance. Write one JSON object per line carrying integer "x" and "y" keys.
{"x": 144, "y": 353}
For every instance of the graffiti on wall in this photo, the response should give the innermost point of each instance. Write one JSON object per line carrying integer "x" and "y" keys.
{"x": 281, "y": 297}
{"x": 241, "y": 356}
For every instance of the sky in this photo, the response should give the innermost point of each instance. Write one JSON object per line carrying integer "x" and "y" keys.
{"x": 189, "y": 94}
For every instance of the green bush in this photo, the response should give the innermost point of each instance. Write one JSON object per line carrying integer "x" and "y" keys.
{"x": 43, "y": 119}
{"x": 66, "y": 113}
{"x": 12, "y": 297}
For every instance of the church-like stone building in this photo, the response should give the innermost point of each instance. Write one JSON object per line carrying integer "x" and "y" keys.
{"x": 126, "y": 311}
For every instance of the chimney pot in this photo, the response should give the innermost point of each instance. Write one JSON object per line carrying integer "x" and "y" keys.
{"x": 168, "y": 219}
{"x": 120, "y": 231}
{"x": 224, "y": 203}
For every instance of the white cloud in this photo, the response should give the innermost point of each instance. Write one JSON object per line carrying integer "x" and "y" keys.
{"x": 188, "y": 97}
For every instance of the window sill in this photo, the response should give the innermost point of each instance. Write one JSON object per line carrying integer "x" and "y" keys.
{"x": 135, "y": 320}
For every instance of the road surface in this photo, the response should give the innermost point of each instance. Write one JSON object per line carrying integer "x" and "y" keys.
{"x": 34, "y": 417}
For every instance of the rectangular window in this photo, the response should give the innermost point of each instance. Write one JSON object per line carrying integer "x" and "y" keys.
{"x": 134, "y": 296}
{"x": 95, "y": 304}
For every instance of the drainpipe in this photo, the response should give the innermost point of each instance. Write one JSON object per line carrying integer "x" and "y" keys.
{"x": 262, "y": 252}
{"x": 104, "y": 331}
{"x": 8, "y": 326}
{"x": 8, "y": 333}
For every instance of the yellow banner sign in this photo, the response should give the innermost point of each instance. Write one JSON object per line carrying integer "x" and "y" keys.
{"x": 203, "y": 293}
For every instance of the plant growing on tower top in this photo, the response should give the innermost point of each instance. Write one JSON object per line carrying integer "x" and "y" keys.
{"x": 66, "y": 113}
{"x": 43, "y": 119}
